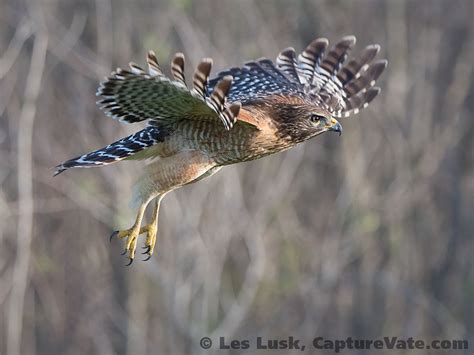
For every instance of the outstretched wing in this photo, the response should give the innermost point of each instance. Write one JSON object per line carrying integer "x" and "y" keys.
{"x": 341, "y": 89}
{"x": 136, "y": 95}
{"x": 256, "y": 79}
{"x": 314, "y": 75}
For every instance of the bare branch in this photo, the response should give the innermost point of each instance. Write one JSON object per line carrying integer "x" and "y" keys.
{"x": 25, "y": 193}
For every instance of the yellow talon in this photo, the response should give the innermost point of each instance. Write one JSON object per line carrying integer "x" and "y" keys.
{"x": 151, "y": 230}
{"x": 151, "y": 240}
{"x": 132, "y": 234}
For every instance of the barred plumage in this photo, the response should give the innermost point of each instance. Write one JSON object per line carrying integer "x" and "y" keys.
{"x": 322, "y": 79}
{"x": 311, "y": 58}
{"x": 243, "y": 113}
{"x": 119, "y": 150}
{"x": 135, "y": 95}
{"x": 286, "y": 62}
{"x": 177, "y": 68}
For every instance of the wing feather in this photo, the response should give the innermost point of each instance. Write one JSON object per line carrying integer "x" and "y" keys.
{"x": 286, "y": 62}
{"x": 359, "y": 101}
{"x": 256, "y": 79}
{"x": 136, "y": 95}
{"x": 350, "y": 70}
{"x": 366, "y": 79}
{"x": 341, "y": 89}
{"x": 311, "y": 58}
{"x": 315, "y": 75}
{"x": 177, "y": 68}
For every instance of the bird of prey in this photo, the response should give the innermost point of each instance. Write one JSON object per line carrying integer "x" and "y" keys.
{"x": 243, "y": 113}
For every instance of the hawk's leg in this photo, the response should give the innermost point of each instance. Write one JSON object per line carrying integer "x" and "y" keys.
{"x": 132, "y": 233}
{"x": 152, "y": 228}
{"x": 159, "y": 178}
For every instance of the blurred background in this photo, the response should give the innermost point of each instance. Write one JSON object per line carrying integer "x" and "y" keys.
{"x": 366, "y": 235}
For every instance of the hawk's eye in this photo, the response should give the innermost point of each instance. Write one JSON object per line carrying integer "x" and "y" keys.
{"x": 316, "y": 118}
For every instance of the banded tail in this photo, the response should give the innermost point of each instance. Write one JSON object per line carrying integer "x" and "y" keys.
{"x": 119, "y": 150}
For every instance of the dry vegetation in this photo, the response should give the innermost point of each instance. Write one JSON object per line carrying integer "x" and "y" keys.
{"x": 369, "y": 234}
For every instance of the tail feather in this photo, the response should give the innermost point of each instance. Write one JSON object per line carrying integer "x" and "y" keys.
{"x": 116, "y": 151}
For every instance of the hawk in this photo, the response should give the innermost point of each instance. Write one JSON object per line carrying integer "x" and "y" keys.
{"x": 243, "y": 113}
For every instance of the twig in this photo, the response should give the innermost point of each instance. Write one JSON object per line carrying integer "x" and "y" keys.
{"x": 25, "y": 194}
{"x": 22, "y": 33}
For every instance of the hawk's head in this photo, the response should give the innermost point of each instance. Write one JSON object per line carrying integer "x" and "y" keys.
{"x": 299, "y": 121}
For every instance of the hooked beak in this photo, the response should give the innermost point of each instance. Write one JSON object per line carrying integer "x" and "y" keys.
{"x": 335, "y": 126}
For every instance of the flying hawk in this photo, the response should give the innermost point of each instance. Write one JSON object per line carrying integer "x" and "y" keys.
{"x": 243, "y": 113}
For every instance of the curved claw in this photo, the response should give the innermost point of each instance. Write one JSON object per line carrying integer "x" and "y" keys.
{"x": 124, "y": 252}
{"x": 114, "y": 234}
{"x": 130, "y": 262}
{"x": 147, "y": 249}
{"x": 148, "y": 258}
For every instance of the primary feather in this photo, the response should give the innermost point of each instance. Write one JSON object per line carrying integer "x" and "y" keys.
{"x": 315, "y": 75}
{"x": 242, "y": 114}
{"x": 136, "y": 95}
